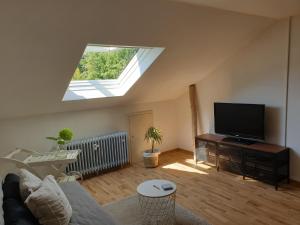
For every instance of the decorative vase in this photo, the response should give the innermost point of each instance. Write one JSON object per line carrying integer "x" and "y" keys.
{"x": 151, "y": 158}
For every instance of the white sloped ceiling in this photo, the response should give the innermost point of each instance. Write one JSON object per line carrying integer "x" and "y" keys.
{"x": 41, "y": 43}
{"x": 269, "y": 8}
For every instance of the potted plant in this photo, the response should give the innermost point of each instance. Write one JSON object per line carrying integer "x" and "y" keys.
{"x": 154, "y": 136}
{"x": 64, "y": 136}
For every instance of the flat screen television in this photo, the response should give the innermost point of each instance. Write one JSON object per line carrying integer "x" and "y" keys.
{"x": 240, "y": 120}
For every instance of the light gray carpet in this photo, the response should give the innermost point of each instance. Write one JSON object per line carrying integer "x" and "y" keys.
{"x": 127, "y": 212}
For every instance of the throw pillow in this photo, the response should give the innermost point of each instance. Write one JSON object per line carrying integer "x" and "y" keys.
{"x": 28, "y": 183}
{"x": 49, "y": 204}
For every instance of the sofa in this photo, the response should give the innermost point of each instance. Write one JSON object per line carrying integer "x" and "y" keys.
{"x": 86, "y": 211}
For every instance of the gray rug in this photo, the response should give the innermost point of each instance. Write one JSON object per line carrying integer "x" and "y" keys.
{"x": 127, "y": 212}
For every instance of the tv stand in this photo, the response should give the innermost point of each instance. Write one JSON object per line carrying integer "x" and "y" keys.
{"x": 239, "y": 140}
{"x": 261, "y": 161}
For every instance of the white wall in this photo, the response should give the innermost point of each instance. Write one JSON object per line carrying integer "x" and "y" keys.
{"x": 257, "y": 74}
{"x": 293, "y": 122}
{"x": 31, "y": 132}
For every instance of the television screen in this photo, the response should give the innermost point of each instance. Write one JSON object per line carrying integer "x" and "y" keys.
{"x": 240, "y": 120}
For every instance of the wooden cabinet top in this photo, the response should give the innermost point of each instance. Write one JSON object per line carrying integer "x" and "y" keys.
{"x": 258, "y": 146}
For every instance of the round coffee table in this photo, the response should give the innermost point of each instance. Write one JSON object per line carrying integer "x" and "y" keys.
{"x": 157, "y": 205}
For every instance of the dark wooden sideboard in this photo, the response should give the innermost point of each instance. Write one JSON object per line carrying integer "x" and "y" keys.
{"x": 265, "y": 162}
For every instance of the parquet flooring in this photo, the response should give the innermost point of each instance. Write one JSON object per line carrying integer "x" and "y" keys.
{"x": 222, "y": 198}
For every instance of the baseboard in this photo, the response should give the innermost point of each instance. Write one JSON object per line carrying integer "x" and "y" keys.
{"x": 295, "y": 182}
{"x": 177, "y": 150}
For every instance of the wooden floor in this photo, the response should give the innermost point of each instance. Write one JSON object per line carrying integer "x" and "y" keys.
{"x": 219, "y": 197}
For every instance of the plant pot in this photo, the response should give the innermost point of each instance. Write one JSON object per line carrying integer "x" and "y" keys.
{"x": 151, "y": 158}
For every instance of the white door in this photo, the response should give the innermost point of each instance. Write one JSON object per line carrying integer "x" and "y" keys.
{"x": 138, "y": 125}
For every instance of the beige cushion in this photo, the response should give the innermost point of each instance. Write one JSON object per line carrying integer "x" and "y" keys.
{"x": 28, "y": 183}
{"x": 49, "y": 204}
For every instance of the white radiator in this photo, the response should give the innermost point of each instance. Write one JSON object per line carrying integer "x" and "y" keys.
{"x": 100, "y": 154}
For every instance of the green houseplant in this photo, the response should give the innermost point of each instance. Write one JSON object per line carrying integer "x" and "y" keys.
{"x": 64, "y": 136}
{"x": 153, "y": 136}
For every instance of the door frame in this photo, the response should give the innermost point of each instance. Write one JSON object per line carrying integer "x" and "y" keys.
{"x": 130, "y": 131}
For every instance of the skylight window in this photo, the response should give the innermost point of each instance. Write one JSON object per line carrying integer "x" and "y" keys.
{"x": 109, "y": 71}
{"x": 103, "y": 63}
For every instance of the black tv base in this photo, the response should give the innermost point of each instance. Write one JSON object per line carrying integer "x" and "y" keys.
{"x": 239, "y": 140}
{"x": 261, "y": 161}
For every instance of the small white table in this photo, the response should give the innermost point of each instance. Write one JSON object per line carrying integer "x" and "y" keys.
{"x": 157, "y": 205}
{"x": 55, "y": 162}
